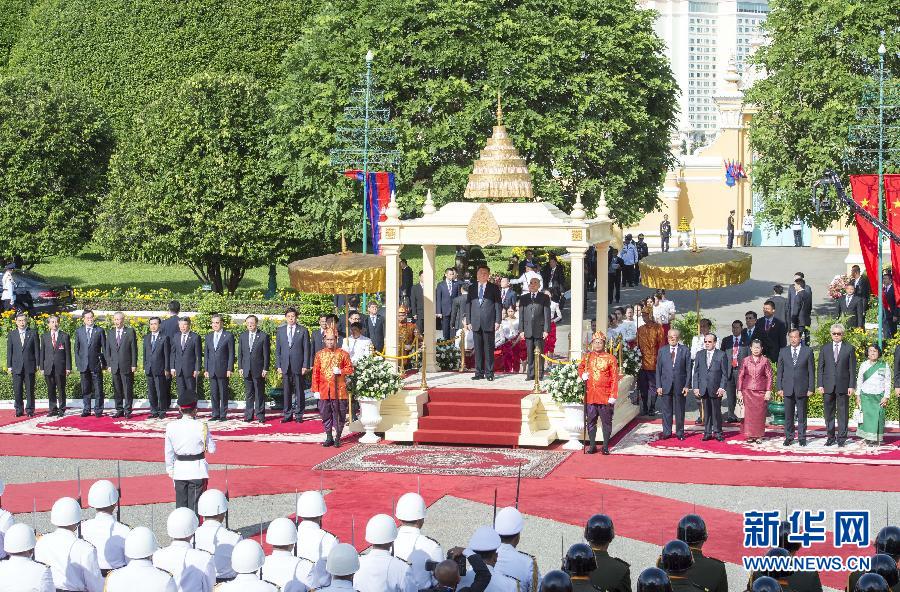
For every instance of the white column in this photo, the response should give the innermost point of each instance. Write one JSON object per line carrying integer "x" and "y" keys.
{"x": 602, "y": 311}
{"x": 428, "y": 324}
{"x": 576, "y": 332}
{"x": 391, "y": 298}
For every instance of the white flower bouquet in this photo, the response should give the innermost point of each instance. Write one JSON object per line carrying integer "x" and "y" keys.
{"x": 631, "y": 361}
{"x": 375, "y": 378}
{"x": 447, "y": 356}
{"x": 564, "y": 384}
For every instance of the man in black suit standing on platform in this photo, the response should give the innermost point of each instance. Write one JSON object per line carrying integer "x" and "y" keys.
{"x": 169, "y": 328}
{"x": 851, "y": 305}
{"x": 293, "y": 357}
{"x": 860, "y": 285}
{"x": 483, "y": 318}
{"x": 218, "y": 364}
{"x": 23, "y": 353}
{"x": 709, "y": 380}
{"x": 89, "y": 346}
{"x": 771, "y": 332}
{"x": 795, "y": 380}
{"x": 736, "y": 348}
{"x": 121, "y": 357}
{"x": 253, "y": 364}
{"x": 444, "y": 294}
{"x": 837, "y": 381}
{"x": 157, "y": 363}
{"x": 187, "y": 360}
{"x": 673, "y": 381}
{"x": 374, "y": 326}
{"x": 458, "y": 316}
{"x": 534, "y": 324}
{"x": 406, "y": 280}
{"x": 416, "y": 305}
{"x": 56, "y": 365}
{"x": 318, "y": 336}
{"x": 801, "y": 308}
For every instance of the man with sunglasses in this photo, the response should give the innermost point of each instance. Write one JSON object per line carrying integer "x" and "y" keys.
{"x": 837, "y": 381}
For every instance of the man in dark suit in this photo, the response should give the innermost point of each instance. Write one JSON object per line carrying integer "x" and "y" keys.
{"x": 458, "y": 316}
{"x": 157, "y": 363}
{"x": 23, "y": 354}
{"x": 187, "y": 360}
{"x": 406, "y": 280}
{"x": 253, "y": 364}
{"x": 527, "y": 261}
{"x": 780, "y": 302}
{"x": 318, "y": 336}
{"x": 56, "y": 365}
{"x": 293, "y": 358}
{"x": 736, "y": 348}
{"x": 90, "y": 343}
{"x": 483, "y": 319}
{"x": 508, "y": 296}
{"x": 751, "y": 331}
{"x": 218, "y": 364}
{"x": 121, "y": 357}
{"x": 709, "y": 379}
{"x": 837, "y": 381}
{"x": 444, "y": 294}
{"x": 673, "y": 380}
{"x": 801, "y": 308}
{"x": 373, "y": 326}
{"x": 891, "y": 311}
{"x": 861, "y": 285}
{"x": 169, "y": 328}
{"x": 771, "y": 332}
{"x": 534, "y": 324}
{"x": 417, "y": 305}
{"x": 553, "y": 274}
{"x": 851, "y": 305}
{"x": 795, "y": 380}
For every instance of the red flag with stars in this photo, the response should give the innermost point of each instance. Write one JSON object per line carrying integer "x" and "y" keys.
{"x": 892, "y": 201}
{"x": 865, "y": 192}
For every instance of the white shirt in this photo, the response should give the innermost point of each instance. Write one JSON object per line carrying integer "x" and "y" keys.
{"x": 188, "y": 436}
{"x": 629, "y": 254}
{"x": 72, "y": 561}
{"x": 555, "y": 312}
{"x": 247, "y": 583}
{"x": 878, "y": 384}
{"x": 525, "y": 280}
{"x": 108, "y": 537}
{"x": 748, "y": 223}
{"x": 7, "y": 292}
{"x": 282, "y": 567}
{"x": 313, "y": 543}
{"x": 140, "y": 576}
{"x": 628, "y": 330}
{"x": 21, "y": 574}
{"x": 379, "y": 571}
{"x": 357, "y": 347}
{"x": 192, "y": 569}
{"x": 415, "y": 548}
{"x": 6, "y": 520}
{"x": 499, "y": 582}
{"x": 519, "y": 566}
{"x": 219, "y": 542}
{"x": 696, "y": 345}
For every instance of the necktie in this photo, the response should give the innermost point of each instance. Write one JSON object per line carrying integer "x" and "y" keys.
{"x": 290, "y": 336}
{"x": 373, "y": 319}
{"x": 734, "y": 352}
{"x": 794, "y": 355}
{"x": 89, "y": 334}
{"x": 708, "y": 359}
{"x": 183, "y": 340}
{"x": 848, "y": 301}
{"x": 22, "y": 337}
{"x": 216, "y": 340}
{"x": 251, "y": 338}
{"x": 480, "y": 292}
{"x": 837, "y": 349}
{"x": 533, "y": 296}
{"x": 673, "y": 357}
{"x": 118, "y": 337}
{"x": 768, "y": 323}
{"x": 153, "y": 342}
{"x": 53, "y": 339}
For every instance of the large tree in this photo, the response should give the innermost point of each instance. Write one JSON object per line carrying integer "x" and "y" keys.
{"x": 13, "y": 15}
{"x": 193, "y": 184}
{"x": 819, "y": 58}
{"x": 54, "y": 153}
{"x": 588, "y": 97}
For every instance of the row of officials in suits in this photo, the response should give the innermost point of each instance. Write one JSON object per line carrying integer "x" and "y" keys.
{"x": 172, "y": 354}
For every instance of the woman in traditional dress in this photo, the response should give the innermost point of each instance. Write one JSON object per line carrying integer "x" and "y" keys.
{"x": 753, "y": 387}
{"x": 510, "y": 329}
{"x": 873, "y": 390}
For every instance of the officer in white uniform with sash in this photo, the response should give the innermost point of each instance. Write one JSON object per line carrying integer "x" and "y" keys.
{"x": 187, "y": 443}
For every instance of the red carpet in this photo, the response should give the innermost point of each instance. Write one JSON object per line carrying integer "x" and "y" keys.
{"x": 490, "y": 417}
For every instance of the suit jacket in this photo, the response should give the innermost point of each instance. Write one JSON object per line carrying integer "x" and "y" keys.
{"x": 375, "y": 331}
{"x": 484, "y": 315}
{"x": 854, "y": 310}
{"x": 743, "y": 352}
{"x": 796, "y": 380}
{"x": 23, "y": 358}
{"x": 836, "y": 376}
{"x": 89, "y": 354}
{"x": 556, "y": 277}
{"x": 781, "y": 309}
{"x": 510, "y": 298}
{"x": 673, "y": 378}
{"x": 534, "y": 315}
{"x": 791, "y": 292}
{"x": 55, "y": 360}
{"x": 293, "y": 357}
{"x": 710, "y": 380}
{"x": 318, "y": 341}
{"x": 121, "y": 357}
{"x": 801, "y": 308}
{"x": 862, "y": 288}
{"x": 406, "y": 280}
{"x": 169, "y": 327}
{"x": 187, "y": 360}
{"x": 417, "y": 302}
{"x": 443, "y": 298}
{"x": 251, "y": 363}
{"x": 458, "y": 313}
{"x": 774, "y": 339}
{"x": 158, "y": 356}
{"x": 218, "y": 361}
{"x": 754, "y": 333}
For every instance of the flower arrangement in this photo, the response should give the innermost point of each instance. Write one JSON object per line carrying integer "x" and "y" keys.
{"x": 375, "y": 378}
{"x": 836, "y": 287}
{"x": 564, "y": 385}
{"x": 447, "y": 356}
{"x": 631, "y": 361}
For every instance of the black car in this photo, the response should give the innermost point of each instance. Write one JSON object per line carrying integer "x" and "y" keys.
{"x": 35, "y": 294}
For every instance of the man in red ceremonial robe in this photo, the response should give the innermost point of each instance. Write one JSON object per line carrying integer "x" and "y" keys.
{"x": 329, "y": 383}
{"x": 600, "y": 371}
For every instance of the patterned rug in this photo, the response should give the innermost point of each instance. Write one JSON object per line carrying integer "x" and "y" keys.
{"x": 445, "y": 460}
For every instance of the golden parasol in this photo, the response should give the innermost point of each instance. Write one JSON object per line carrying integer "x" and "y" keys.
{"x": 339, "y": 273}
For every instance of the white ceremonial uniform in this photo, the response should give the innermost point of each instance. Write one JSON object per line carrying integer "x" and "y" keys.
{"x": 415, "y": 548}
{"x": 313, "y": 543}
{"x": 519, "y": 566}
{"x": 20, "y": 574}
{"x": 357, "y": 347}
{"x": 140, "y": 576}
{"x": 6, "y": 520}
{"x": 499, "y": 582}
{"x": 108, "y": 537}
{"x": 192, "y": 569}
{"x": 219, "y": 542}
{"x": 246, "y": 583}
{"x": 72, "y": 561}
{"x": 282, "y": 567}
{"x": 379, "y": 571}
{"x": 335, "y": 586}
{"x": 188, "y": 436}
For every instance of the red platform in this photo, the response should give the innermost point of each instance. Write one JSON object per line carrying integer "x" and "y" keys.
{"x": 471, "y": 416}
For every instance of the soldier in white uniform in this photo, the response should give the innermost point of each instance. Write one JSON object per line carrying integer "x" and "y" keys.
{"x": 213, "y": 537}
{"x": 411, "y": 545}
{"x": 379, "y": 571}
{"x": 282, "y": 566}
{"x": 313, "y": 542}
{"x": 72, "y": 561}
{"x": 192, "y": 569}
{"x": 485, "y": 543}
{"x": 247, "y": 559}
{"x": 187, "y": 442}
{"x": 103, "y": 530}
{"x": 6, "y": 520}
{"x": 510, "y": 561}
{"x": 140, "y": 575}
{"x": 342, "y": 564}
{"x": 20, "y": 572}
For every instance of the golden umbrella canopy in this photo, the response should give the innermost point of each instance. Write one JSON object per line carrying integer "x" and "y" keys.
{"x": 339, "y": 273}
{"x": 697, "y": 269}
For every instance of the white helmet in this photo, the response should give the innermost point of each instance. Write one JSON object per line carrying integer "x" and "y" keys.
{"x": 140, "y": 543}
{"x": 509, "y": 521}
{"x": 247, "y": 557}
{"x": 19, "y": 538}
{"x": 103, "y": 494}
{"x": 311, "y": 504}
{"x": 343, "y": 560}
{"x": 410, "y": 507}
{"x": 65, "y": 512}
{"x": 281, "y": 532}
{"x": 484, "y": 539}
{"x": 212, "y": 502}
{"x": 381, "y": 529}
{"x": 182, "y": 523}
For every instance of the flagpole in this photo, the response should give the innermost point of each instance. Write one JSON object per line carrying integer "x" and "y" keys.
{"x": 365, "y": 216}
{"x": 881, "y": 52}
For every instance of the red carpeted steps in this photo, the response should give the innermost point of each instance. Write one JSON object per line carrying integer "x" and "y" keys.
{"x": 471, "y": 416}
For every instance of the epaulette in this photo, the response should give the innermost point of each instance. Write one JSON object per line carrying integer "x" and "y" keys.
{"x": 715, "y": 559}
{"x": 622, "y": 561}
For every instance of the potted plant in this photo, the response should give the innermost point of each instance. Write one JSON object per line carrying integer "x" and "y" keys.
{"x": 776, "y": 403}
{"x": 374, "y": 379}
{"x": 447, "y": 356}
{"x": 566, "y": 388}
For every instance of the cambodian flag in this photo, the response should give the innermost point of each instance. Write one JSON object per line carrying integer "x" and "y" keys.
{"x": 381, "y": 186}
{"x": 729, "y": 174}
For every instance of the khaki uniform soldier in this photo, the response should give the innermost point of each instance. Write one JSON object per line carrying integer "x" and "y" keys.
{"x": 140, "y": 575}
{"x": 103, "y": 530}
{"x": 187, "y": 442}
{"x": 282, "y": 566}
{"x": 510, "y": 561}
{"x": 707, "y": 572}
{"x": 192, "y": 569}
{"x": 379, "y": 571}
{"x": 611, "y": 573}
{"x": 247, "y": 559}
{"x": 411, "y": 545}
{"x": 20, "y": 571}
{"x": 342, "y": 565}
{"x": 73, "y": 561}
{"x": 213, "y": 537}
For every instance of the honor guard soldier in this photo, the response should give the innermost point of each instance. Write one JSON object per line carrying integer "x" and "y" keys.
{"x": 313, "y": 542}
{"x": 192, "y": 569}
{"x": 282, "y": 566}
{"x": 213, "y": 537}
{"x": 72, "y": 561}
{"x": 707, "y": 572}
{"x": 486, "y": 542}
{"x": 329, "y": 382}
{"x": 187, "y": 442}
{"x": 612, "y": 573}
{"x": 886, "y": 567}
{"x": 653, "y": 579}
{"x": 677, "y": 561}
{"x": 379, "y": 571}
{"x": 411, "y": 545}
{"x": 556, "y": 581}
{"x": 600, "y": 372}
{"x": 510, "y": 561}
{"x": 801, "y": 581}
{"x": 140, "y": 575}
{"x": 6, "y": 520}
{"x": 579, "y": 563}
{"x": 887, "y": 541}
{"x": 21, "y": 572}
{"x": 765, "y": 584}
{"x": 871, "y": 582}
{"x": 103, "y": 530}
{"x": 247, "y": 559}
{"x": 342, "y": 564}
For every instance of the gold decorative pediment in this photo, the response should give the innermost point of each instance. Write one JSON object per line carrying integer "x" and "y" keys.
{"x": 483, "y": 229}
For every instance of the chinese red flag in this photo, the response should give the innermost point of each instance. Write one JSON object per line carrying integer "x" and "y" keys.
{"x": 892, "y": 201}
{"x": 865, "y": 193}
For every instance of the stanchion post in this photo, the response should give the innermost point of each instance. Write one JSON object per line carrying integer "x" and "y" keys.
{"x": 462, "y": 349}
{"x": 424, "y": 384}
{"x": 538, "y": 363}
{"x": 401, "y": 347}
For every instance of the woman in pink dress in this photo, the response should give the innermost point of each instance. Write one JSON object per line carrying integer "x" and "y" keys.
{"x": 754, "y": 384}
